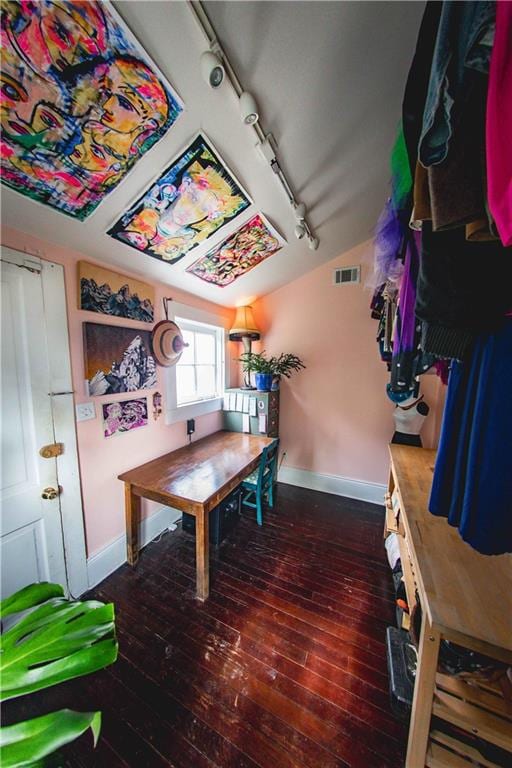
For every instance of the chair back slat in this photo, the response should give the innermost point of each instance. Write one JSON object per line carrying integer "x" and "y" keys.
{"x": 268, "y": 462}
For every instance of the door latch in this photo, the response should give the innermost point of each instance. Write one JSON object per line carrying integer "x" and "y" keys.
{"x": 50, "y": 493}
{"x": 52, "y": 450}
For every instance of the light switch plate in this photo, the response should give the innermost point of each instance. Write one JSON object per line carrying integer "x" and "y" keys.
{"x": 85, "y": 411}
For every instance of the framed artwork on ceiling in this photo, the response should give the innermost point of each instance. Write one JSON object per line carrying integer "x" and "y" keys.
{"x": 117, "y": 359}
{"x": 110, "y": 293}
{"x": 82, "y": 102}
{"x": 124, "y": 416}
{"x": 192, "y": 199}
{"x": 255, "y": 241}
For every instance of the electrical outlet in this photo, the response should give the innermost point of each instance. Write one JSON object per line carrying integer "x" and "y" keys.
{"x": 85, "y": 411}
{"x": 191, "y": 426}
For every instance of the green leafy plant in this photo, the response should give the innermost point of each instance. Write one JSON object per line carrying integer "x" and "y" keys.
{"x": 258, "y": 362}
{"x": 255, "y": 362}
{"x": 286, "y": 364}
{"x": 57, "y": 640}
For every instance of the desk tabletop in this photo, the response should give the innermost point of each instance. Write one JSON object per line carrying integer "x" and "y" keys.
{"x": 466, "y": 594}
{"x": 198, "y": 474}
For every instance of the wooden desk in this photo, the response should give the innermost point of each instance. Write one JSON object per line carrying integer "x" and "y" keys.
{"x": 466, "y": 598}
{"x": 193, "y": 479}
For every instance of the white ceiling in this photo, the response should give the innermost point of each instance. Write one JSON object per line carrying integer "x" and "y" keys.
{"x": 328, "y": 78}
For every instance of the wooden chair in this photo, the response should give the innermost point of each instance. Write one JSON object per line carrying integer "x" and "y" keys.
{"x": 260, "y": 483}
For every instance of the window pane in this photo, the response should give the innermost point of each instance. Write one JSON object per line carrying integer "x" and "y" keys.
{"x": 188, "y": 353}
{"x": 205, "y": 348}
{"x": 205, "y": 380}
{"x": 185, "y": 383}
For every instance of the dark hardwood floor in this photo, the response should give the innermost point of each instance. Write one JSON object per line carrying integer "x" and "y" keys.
{"x": 282, "y": 667}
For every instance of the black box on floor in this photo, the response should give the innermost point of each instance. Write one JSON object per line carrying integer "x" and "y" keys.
{"x": 400, "y": 659}
{"x": 223, "y": 518}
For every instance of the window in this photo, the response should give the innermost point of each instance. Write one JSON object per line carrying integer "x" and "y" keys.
{"x": 198, "y": 371}
{"x": 195, "y": 385}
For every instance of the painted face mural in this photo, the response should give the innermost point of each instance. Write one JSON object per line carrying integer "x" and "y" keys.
{"x": 255, "y": 241}
{"x": 93, "y": 154}
{"x": 81, "y": 102}
{"x": 193, "y": 198}
{"x": 28, "y": 108}
{"x": 52, "y": 37}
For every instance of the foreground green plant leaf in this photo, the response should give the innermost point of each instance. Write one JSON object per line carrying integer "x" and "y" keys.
{"x": 28, "y": 597}
{"x": 57, "y": 641}
{"x": 29, "y": 743}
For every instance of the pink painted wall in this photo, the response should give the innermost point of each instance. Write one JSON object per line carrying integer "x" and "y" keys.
{"x": 335, "y": 416}
{"x": 101, "y": 460}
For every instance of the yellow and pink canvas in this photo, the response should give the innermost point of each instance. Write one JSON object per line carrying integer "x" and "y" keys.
{"x": 193, "y": 198}
{"x": 254, "y": 242}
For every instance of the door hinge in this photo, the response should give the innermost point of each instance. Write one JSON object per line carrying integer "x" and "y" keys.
{"x": 52, "y": 450}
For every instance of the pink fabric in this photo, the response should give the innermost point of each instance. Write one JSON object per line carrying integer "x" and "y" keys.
{"x": 499, "y": 124}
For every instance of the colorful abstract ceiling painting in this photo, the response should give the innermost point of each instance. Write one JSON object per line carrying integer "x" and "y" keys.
{"x": 192, "y": 199}
{"x": 255, "y": 241}
{"x": 81, "y": 102}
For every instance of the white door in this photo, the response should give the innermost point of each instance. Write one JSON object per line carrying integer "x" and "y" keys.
{"x": 31, "y": 543}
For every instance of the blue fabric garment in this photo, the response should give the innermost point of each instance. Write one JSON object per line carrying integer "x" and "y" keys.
{"x": 464, "y": 41}
{"x": 472, "y": 483}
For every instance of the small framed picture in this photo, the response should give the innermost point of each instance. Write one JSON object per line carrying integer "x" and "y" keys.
{"x": 124, "y": 416}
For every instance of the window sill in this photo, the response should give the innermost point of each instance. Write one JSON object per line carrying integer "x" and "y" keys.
{"x": 193, "y": 410}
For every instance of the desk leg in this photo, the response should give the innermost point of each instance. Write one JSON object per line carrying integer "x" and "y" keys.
{"x": 132, "y": 512}
{"x": 424, "y": 686}
{"x": 202, "y": 555}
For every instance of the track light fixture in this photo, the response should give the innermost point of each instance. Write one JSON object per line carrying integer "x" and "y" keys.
{"x": 300, "y": 212}
{"x": 215, "y": 68}
{"x": 300, "y": 231}
{"x": 248, "y": 108}
{"x": 212, "y": 69}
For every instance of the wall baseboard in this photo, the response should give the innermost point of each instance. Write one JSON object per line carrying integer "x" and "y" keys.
{"x": 110, "y": 558}
{"x": 340, "y": 486}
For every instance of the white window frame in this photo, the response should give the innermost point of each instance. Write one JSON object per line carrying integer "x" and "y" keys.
{"x": 174, "y": 412}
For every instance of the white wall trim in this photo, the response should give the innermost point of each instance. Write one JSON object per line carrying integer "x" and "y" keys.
{"x": 341, "y": 486}
{"x": 110, "y": 558}
{"x": 68, "y": 471}
{"x": 174, "y": 413}
{"x": 193, "y": 410}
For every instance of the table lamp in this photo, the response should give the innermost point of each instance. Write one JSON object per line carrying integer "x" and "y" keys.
{"x": 244, "y": 329}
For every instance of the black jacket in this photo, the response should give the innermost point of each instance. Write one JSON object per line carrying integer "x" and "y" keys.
{"x": 464, "y": 288}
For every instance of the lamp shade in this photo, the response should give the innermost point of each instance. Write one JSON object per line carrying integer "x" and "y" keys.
{"x": 244, "y": 325}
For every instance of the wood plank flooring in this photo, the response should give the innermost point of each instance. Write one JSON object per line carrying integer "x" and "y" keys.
{"x": 282, "y": 667}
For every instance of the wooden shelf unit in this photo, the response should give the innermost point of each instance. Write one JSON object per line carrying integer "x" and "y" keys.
{"x": 465, "y": 598}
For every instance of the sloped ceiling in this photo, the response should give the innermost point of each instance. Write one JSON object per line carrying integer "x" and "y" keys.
{"x": 328, "y": 77}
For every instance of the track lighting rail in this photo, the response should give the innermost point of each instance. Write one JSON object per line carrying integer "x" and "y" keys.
{"x": 214, "y": 63}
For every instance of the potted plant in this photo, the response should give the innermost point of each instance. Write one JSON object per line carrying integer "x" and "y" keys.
{"x": 258, "y": 363}
{"x": 284, "y": 365}
{"x": 268, "y": 370}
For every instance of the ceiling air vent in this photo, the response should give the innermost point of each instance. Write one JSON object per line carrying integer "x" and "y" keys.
{"x": 346, "y": 275}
